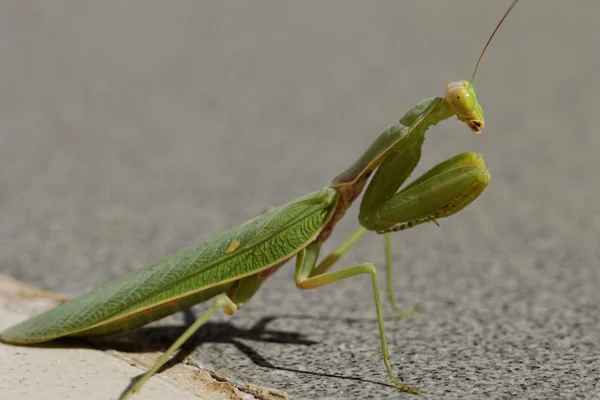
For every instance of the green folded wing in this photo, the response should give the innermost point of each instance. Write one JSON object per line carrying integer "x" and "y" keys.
{"x": 265, "y": 240}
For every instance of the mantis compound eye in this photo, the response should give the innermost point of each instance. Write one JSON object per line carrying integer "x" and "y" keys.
{"x": 462, "y": 98}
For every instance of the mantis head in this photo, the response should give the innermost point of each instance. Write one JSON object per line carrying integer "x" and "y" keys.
{"x": 461, "y": 96}
{"x": 462, "y": 99}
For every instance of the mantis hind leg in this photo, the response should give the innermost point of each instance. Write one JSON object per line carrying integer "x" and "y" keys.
{"x": 306, "y": 279}
{"x": 36, "y": 293}
{"x": 221, "y": 301}
{"x": 230, "y": 303}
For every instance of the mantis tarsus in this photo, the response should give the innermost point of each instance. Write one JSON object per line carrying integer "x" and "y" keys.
{"x": 231, "y": 266}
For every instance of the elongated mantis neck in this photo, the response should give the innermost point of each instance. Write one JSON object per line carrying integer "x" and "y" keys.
{"x": 409, "y": 131}
{"x": 423, "y": 115}
{"x": 427, "y": 113}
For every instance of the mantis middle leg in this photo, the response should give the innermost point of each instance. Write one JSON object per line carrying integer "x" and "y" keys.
{"x": 307, "y": 279}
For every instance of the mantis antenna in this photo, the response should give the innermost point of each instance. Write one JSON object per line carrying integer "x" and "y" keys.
{"x": 492, "y": 36}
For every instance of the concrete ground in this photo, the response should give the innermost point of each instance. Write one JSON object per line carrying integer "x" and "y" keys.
{"x": 62, "y": 371}
{"x": 77, "y": 370}
{"x": 130, "y": 131}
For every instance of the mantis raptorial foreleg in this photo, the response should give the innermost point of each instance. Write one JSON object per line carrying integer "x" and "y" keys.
{"x": 440, "y": 192}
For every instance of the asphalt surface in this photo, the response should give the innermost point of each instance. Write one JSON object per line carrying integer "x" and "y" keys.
{"x": 128, "y": 132}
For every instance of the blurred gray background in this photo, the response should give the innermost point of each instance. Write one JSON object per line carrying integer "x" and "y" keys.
{"x": 131, "y": 129}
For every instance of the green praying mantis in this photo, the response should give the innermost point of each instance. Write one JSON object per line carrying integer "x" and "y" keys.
{"x": 230, "y": 267}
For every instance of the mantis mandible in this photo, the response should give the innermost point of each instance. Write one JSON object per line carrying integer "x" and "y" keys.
{"x": 231, "y": 266}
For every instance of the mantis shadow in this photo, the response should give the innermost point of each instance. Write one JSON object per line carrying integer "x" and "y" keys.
{"x": 147, "y": 339}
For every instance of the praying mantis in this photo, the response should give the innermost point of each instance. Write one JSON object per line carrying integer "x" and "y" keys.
{"x": 231, "y": 266}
